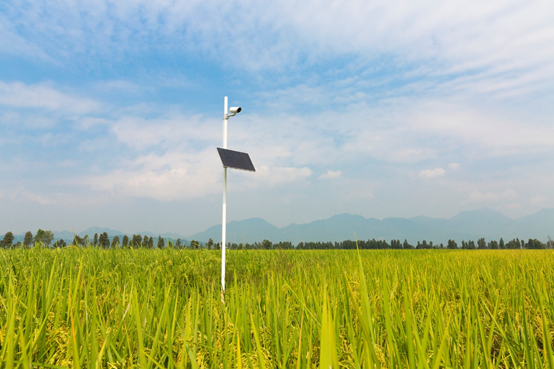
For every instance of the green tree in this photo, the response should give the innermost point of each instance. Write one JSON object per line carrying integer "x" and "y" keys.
{"x": 194, "y": 245}
{"x": 535, "y": 244}
{"x": 125, "y": 241}
{"x": 451, "y": 244}
{"x": 178, "y": 243}
{"x": 210, "y": 244}
{"x": 481, "y": 243}
{"x": 95, "y": 240}
{"x": 7, "y": 242}
{"x": 59, "y": 244}
{"x": 137, "y": 240}
{"x": 44, "y": 237}
{"x": 161, "y": 242}
{"x": 115, "y": 242}
{"x": 100, "y": 240}
{"x": 394, "y": 244}
{"x": 104, "y": 240}
{"x": 78, "y": 241}
{"x": 267, "y": 245}
{"x": 513, "y": 244}
{"x": 28, "y": 239}
{"x": 493, "y": 245}
{"x": 501, "y": 244}
{"x": 145, "y": 242}
{"x": 406, "y": 245}
{"x": 151, "y": 242}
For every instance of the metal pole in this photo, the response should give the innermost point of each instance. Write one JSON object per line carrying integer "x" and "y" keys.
{"x": 224, "y": 216}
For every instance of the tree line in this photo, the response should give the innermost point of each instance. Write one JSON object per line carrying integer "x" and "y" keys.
{"x": 102, "y": 240}
{"x": 516, "y": 243}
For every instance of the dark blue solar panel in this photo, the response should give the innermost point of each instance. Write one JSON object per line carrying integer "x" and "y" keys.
{"x": 235, "y": 159}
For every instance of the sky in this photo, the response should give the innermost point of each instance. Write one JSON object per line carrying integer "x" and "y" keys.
{"x": 111, "y": 111}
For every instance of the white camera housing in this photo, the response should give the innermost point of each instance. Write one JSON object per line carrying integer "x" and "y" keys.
{"x": 235, "y": 110}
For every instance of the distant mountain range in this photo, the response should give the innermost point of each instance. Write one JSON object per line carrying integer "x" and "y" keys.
{"x": 468, "y": 225}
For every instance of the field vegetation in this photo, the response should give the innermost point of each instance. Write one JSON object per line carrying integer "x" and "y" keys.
{"x": 162, "y": 308}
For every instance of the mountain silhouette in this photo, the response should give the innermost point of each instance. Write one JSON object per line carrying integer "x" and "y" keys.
{"x": 467, "y": 225}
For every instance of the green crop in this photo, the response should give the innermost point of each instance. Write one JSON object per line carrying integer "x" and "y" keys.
{"x": 122, "y": 308}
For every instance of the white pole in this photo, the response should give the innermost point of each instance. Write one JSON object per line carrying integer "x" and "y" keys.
{"x": 224, "y": 216}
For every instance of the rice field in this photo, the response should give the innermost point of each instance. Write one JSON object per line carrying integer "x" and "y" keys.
{"x": 125, "y": 308}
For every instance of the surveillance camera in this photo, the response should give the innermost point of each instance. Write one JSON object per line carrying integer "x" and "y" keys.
{"x": 235, "y": 110}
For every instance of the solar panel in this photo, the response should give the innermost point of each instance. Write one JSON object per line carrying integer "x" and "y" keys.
{"x": 235, "y": 159}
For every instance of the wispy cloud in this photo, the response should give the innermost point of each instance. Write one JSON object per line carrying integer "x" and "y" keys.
{"x": 452, "y": 38}
{"x": 15, "y": 44}
{"x": 537, "y": 200}
{"x": 480, "y": 197}
{"x": 432, "y": 173}
{"x": 170, "y": 176}
{"x": 42, "y": 96}
{"x": 274, "y": 176}
{"x": 454, "y": 166}
{"x": 331, "y": 174}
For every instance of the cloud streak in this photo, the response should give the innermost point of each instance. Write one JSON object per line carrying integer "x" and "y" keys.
{"x": 42, "y": 96}
{"x": 450, "y": 38}
{"x": 432, "y": 173}
{"x": 331, "y": 174}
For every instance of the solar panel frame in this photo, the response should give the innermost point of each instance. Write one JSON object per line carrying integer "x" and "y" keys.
{"x": 236, "y": 160}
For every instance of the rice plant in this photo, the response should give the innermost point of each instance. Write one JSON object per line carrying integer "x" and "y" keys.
{"x": 125, "y": 308}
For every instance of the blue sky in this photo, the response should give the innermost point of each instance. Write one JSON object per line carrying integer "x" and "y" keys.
{"x": 110, "y": 111}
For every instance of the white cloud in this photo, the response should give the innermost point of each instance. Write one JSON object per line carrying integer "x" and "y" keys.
{"x": 42, "y": 96}
{"x": 141, "y": 133}
{"x": 331, "y": 174}
{"x": 432, "y": 173}
{"x": 357, "y": 194}
{"x": 14, "y": 44}
{"x": 453, "y": 166}
{"x": 170, "y": 176}
{"x": 447, "y": 38}
{"x": 9, "y": 118}
{"x": 536, "y": 200}
{"x": 274, "y": 176}
{"x": 121, "y": 86}
{"x": 177, "y": 175}
{"x": 497, "y": 132}
{"x": 42, "y": 199}
{"x": 480, "y": 197}
{"x": 412, "y": 155}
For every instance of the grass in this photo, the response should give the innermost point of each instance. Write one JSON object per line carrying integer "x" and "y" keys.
{"x": 93, "y": 308}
